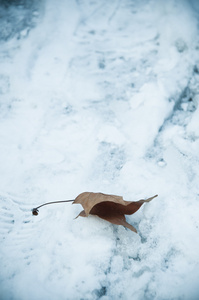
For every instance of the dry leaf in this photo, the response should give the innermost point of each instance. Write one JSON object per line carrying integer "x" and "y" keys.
{"x": 109, "y": 207}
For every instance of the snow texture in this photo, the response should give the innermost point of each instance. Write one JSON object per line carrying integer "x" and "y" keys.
{"x": 99, "y": 96}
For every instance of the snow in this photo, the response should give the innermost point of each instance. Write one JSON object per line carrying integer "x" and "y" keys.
{"x": 101, "y": 97}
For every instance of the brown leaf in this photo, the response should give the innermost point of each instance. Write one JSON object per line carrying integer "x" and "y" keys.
{"x": 109, "y": 207}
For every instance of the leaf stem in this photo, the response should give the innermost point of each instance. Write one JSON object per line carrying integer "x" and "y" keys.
{"x": 35, "y": 210}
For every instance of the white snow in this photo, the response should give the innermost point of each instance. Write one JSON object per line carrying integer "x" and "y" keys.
{"x": 99, "y": 96}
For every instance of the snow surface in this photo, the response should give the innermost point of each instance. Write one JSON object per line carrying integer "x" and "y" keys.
{"x": 99, "y": 96}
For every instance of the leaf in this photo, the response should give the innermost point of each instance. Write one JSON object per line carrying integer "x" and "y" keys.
{"x": 109, "y": 207}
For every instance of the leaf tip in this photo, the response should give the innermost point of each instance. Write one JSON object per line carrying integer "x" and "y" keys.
{"x": 151, "y": 198}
